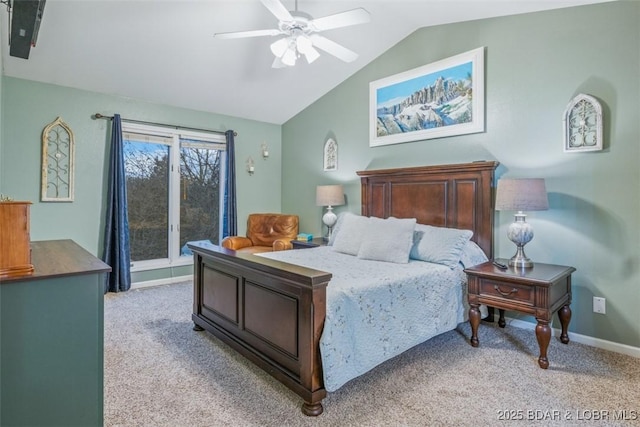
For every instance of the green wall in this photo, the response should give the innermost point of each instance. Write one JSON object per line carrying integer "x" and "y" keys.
{"x": 29, "y": 106}
{"x": 1, "y": 157}
{"x": 1, "y": 121}
{"x": 534, "y": 65}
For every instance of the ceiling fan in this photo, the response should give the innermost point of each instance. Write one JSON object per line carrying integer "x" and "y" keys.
{"x": 301, "y": 36}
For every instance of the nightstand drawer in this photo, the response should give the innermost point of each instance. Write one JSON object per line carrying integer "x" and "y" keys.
{"x": 508, "y": 291}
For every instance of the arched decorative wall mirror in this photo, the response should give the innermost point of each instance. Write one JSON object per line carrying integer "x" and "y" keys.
{"x": 57, "y": 162}
{"x": 583, "y": 124}
{"x": 330, "y": 155}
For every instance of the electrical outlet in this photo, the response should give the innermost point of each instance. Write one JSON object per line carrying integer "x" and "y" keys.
{"x": 599, "y": 305}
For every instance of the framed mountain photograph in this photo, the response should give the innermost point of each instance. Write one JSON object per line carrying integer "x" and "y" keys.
{"x": 441, "y": 99}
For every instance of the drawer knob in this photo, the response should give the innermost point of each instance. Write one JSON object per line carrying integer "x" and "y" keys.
{"x": 505, "y": 294}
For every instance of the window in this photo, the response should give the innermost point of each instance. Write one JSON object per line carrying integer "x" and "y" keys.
{"x": 175, "y": 184}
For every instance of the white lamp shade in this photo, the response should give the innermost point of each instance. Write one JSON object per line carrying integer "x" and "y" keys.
{"x": 278, "y": 48}
{"x": 311, "y": 55}
{"x": 329, "y": 195}
{"x": 525, "y": 194}
{"x": 289, "y": 57}
{"x": 277, "y": 63}
{"x": 304, "y": 44}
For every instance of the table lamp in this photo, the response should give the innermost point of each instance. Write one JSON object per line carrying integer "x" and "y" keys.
{"x": 329, "y": 196}
{"x": 527, "y": 194}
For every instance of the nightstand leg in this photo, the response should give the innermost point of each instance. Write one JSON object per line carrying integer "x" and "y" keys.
{"x": 490, "y": 315}
{"x": 474, "y": 321}
{"x": 564, "y": 314}
{"x": 501, "y": 321}
{"x": 543, "y": 334}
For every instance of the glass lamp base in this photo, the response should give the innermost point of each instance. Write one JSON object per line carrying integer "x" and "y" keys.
{"x": 329, "y": 219}
{"x": 520, "y": 232}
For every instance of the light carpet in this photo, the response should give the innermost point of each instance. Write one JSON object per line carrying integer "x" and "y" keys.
{"x": 159, "y": 372}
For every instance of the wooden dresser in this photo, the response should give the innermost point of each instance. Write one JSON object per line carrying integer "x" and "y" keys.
{"x": 15, "y": 250}
{"x": 51, "y": 339}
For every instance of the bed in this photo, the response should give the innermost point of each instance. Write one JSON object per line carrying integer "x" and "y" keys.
{"x": 272, "y": 309}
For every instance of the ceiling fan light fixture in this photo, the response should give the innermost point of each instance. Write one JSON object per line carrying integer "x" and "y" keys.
{"x": 277, "y": 63}
{"x": 311, "y": 55}
{"x": 300, "y": 32}
{"x": 289, "y": 57}
{"x": 304, "y": 44}
{"x": 278, "y": 48}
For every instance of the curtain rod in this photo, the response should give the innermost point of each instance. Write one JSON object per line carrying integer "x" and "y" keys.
{"x": 101, "y": 116}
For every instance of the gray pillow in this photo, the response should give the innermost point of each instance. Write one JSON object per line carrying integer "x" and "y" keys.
{"x": 353, "y": 229}
{"x": 472, "y": 255}
{"x": 388, "y": 240}
{"x": 441, "y": 245}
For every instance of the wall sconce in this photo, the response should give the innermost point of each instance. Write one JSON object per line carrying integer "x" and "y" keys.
{"x": 250, "y": 166}
{"x": 265, "y": 150}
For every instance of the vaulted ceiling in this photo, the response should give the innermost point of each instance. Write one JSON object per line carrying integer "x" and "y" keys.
{"x": 164, "y": 51}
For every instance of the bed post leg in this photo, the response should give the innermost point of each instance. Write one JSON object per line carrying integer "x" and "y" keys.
{"x": 312, "y": 409}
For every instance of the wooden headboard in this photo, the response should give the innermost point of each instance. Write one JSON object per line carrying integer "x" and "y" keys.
{"x": 457, "y": 196}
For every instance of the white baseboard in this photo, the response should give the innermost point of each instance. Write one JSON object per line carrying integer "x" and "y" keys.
{"x": 582, "y": 339}
{"x": 159, "y": 282}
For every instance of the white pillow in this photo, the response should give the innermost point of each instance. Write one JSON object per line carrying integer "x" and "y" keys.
{"x": 472, "y": 255}
{"x": 441, "y": 245}
{"x": 353, "y": 229}
{"x": 388, "y": 240}
{"x": 336, "y": 228}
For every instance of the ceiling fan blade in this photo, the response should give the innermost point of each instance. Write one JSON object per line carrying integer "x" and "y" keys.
{"x": 278, "y": 10}
{"x": 333, "y": 48}
{"x": 343, "y": 19}
{"x": 243, "y": 34}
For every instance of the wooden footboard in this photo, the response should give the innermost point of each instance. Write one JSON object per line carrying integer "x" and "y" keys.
{"x": 269, "y": 311}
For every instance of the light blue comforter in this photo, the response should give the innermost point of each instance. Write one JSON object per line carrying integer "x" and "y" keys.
{"x": 376, "y": 310}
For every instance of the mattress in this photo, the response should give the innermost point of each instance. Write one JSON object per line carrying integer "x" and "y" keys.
{"x": 377, "y": 310}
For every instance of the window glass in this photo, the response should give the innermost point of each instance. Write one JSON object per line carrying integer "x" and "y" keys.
{"x": 200, "y": 173}
{"x": 174, "y": 180}
{"x": 147, "y": 174}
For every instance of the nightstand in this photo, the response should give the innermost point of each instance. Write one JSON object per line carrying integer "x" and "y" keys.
{"x": 301, "y": 244}
{"x": 539, "y": 291}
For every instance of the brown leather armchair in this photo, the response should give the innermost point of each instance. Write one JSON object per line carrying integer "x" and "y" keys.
{"x": 265, "y": 232}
